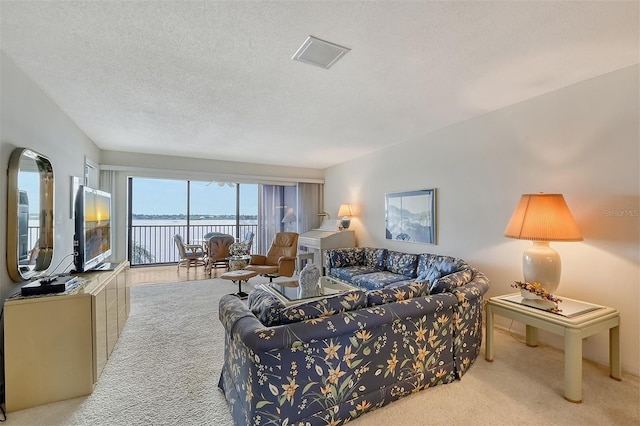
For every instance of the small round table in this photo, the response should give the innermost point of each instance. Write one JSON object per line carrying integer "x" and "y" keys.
{"x": 239, "y": 276}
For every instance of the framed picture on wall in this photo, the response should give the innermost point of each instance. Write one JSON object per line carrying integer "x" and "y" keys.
{"x": 411, "y": 216}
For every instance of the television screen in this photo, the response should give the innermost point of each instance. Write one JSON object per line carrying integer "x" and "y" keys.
{"x": 92, "y": 228}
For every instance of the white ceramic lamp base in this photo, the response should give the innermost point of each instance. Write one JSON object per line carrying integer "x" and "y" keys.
{"x": 541, "y": 264}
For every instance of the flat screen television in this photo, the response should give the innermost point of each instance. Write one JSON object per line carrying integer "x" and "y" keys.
{"x": 92, "y": 240}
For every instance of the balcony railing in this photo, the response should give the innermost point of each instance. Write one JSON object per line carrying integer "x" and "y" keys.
{"x": 154, "y": 244}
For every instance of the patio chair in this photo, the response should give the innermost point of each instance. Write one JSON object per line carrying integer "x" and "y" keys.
{"x": 248, "y": 240}
{"x": 218, "y": 251}
{"x": 190, "y": 254}
{"x": 211, "y": 234}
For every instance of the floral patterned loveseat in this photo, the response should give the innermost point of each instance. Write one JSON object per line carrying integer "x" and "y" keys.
{"x": 330, "y": 360}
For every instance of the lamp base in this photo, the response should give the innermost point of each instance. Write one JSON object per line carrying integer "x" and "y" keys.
{"x": 541, "y": 264}
{"x": 345, "y": 223}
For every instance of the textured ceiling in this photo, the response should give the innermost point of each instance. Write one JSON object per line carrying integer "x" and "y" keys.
{"x": 215, "y": 79}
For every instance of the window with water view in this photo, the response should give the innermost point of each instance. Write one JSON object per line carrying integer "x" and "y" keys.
{"x": 162, "y": 208}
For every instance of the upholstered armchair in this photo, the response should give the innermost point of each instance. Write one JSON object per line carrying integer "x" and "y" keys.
{"x": 280, "y": 260}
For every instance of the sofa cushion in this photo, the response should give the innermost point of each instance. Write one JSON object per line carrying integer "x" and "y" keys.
{"x": 375, "y": 257}
{"x": 451, "y": 281}
{"x": 402, "y": 263}
{"x": 376, "y": 280}
{"x": 348, "y": 272}
{"x": 327, "y": 306}
{"x": 265, "y": 306}
{"x": 339, "y": 258}
{"x": 394, "y": 293}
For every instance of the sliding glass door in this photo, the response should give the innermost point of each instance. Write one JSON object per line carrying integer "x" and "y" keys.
{"x": 162, "y": 208}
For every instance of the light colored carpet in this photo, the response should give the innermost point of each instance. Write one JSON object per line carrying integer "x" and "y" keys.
{"x": 164, "y": 371}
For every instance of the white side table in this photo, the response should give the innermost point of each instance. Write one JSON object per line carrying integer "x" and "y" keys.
{"x": 577, "y": 321}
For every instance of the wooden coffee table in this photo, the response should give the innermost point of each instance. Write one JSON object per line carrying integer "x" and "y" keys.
{"x": 239, "y": 276}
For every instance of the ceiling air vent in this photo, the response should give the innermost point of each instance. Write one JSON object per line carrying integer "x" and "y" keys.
{"x": 319, "y": 52}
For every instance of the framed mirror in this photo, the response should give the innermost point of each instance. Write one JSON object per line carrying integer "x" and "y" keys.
{"x": 29, "y": 214}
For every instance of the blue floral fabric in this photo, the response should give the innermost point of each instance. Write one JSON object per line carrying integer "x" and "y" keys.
{"x": 451, "y": 281}
{"x": 402, "y": 263}
{"x": 376, "y": 280}
{"x": 397, "y": 293}
{"x": 265, "y": 306}
{"x": 330, "y": 369}
{"x": 324, "y": 307}
{"x": 367, "y": 257}
{"x": 352, "y": 264}
{"x": 430, "y": 276}
{"x": 336, "y": 368}
{"x": 468, "y": 321}
{"x": 270, "y": 310}
{"x": 348, "y": 272}
{"x": 443, "y": 264}
{"x": 375, "y": 257}
{"x": 339, "y": 258}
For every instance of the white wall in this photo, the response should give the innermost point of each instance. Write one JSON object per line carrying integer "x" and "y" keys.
{"x": 582, "y": 141}
{"x": 30, "y": 119}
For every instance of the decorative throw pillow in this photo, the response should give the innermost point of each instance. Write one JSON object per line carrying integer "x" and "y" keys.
{"x": 444, "y": 264}
{"x": 327, "y": 306}
{"x": 448, "y": 282}
{"x": 265, "y": 306}
{"x": 397, "y": 293}
{"x": 430, "y": 276}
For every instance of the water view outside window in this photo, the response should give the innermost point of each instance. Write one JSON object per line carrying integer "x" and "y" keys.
{"x": 162, "y": 208}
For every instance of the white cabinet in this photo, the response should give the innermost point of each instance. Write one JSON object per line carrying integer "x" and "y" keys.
{"x": 56, "y": 346}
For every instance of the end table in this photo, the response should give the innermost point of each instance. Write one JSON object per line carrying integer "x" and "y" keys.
{"x": 578, "y": 321}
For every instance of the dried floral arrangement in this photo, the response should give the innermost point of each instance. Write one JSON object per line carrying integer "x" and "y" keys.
{"x": 536, "y": 288}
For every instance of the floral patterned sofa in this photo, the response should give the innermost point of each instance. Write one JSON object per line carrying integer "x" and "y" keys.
{"x": 375, "y": 268}
{"x": 326, "y": 361}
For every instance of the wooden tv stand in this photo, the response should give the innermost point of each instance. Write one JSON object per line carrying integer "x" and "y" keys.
{"x": 55, "y": 346}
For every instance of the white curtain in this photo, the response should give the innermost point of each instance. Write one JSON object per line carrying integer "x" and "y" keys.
{"x": 271, "y": 206}
{"x": 310, "y": 204}
{"x": 304, "y": 201}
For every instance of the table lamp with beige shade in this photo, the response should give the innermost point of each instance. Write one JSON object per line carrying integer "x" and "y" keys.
{"x": 542, "y": 218}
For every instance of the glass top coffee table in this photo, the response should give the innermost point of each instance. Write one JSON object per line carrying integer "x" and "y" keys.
{"x": 286, "y": 289}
